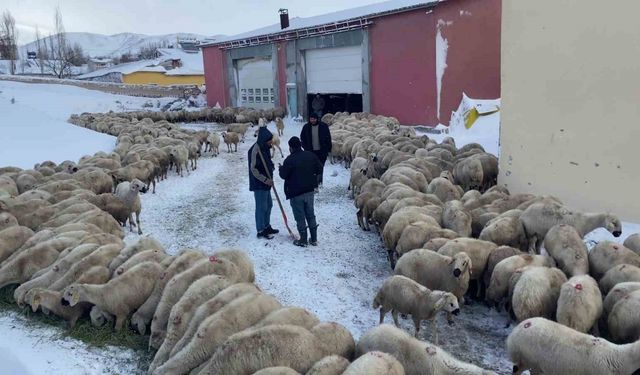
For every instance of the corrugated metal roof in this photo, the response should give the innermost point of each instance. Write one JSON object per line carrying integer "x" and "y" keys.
{"x": 299, "y": 23}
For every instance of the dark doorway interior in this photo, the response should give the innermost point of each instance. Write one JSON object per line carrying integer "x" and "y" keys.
{"x": 337, "y": 103}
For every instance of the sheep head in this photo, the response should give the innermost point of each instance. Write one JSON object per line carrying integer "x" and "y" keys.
{"x": 461, "y": 263}
{"x": 34, "y": 301}
{"x": 449, "y": 303}
{"x": 70, "y": 296}
{"x": 138, "y": 186}
{"x": 613, "y": 225}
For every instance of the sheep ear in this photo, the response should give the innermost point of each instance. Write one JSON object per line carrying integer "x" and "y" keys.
{"x": 441, "y": 302}
{"x": 452, "y": 260}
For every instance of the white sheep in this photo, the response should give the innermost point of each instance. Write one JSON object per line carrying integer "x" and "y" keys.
{"x": 615, "y": 294}
{"x": 499, "y": 284}
{"x": 633, "y": 242}
{"x": 399, "y": 294}
{"x": 546, "y": 347}
{"x": 238, "y": 315}
{"x": 156, "y": 256}
{"x": 180, "y": 157}
{"x": 277, "y": 345}
{"x": 565, "y": 246}
{"x": 231, "y": 138}
{"x": 538, "y": 218}
{"x": 417, "y": 357}
{"x": 280, "y": 126}
{"x": 211, "y": 307}
{"x": 606, "y": 255}
{"x": 436, "y": 271}
{"x": 292, "y": 315}
{"x": 120, "y": 296}
{"x": 145, "y": 313}
{"x": 329, "y": 365}
{"x": 375, "y": 362}
{"x": 478, "y": 251}
{"x": 456, "y": 218}
{"x": 619, "y": 274}
{"x": 11, "y": 239}
{"x": 213, "y": 143}
{"x": 176, "y": 287}
{"x": 199, "y": 292}
{"x": 623, "y": 322}
{"x": 128, "y": 193}
{"x": 536, "y": 292}
{"x": 7, "y": 221}
{"x": 580, "y": 303}
{"x": 50, "y": 300}
{"x": 275, "y": 143}
{"x": 278, "y": 370}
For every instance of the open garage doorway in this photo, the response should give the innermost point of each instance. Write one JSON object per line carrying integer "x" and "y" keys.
{"x": 336, "y": 103}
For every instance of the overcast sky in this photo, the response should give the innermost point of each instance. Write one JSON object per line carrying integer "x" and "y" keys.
{"x": 153, "y": 17}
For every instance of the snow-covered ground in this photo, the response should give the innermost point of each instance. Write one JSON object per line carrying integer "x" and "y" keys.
{"x": 33, "y": 122}
{"x": 213, "y": 208}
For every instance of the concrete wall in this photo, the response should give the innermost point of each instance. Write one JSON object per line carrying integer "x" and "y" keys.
{"x": 158, "y": 78}
{"x": 571, "y": 94}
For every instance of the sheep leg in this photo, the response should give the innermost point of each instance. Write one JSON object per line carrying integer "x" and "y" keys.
{"x": 394, "y": 314}
{"x": 236, "y": 147}
{"x": 281, "y": 154}
{"x": 532, "y": 244}
{"x": 138, "y": 222}
{"x": 382, "y": 314}
{"x": 434, "y": 330}
{"x": 416, "y": 324}
{"x": 119, "y": 322}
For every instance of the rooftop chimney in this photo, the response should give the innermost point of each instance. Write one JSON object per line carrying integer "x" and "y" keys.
{"x": 284, "y": 18}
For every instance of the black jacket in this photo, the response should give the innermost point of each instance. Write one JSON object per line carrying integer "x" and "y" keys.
{"x": 257, "y": 173}
{"x": 323, "y": 133}
{"x": 299, "y": 173}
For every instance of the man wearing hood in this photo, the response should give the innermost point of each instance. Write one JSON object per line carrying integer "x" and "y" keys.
{"x": 316, "y": 137}
{"x": 260, "y": 182}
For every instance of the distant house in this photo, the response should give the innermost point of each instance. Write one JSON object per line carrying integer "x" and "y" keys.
{"x": 172, "y": 67}
{"x": 95, "y": 64}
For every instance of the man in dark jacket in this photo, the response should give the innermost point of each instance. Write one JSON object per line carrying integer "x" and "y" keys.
{"x": 299, "y": 172}
{"x": 316, "y": 137}
{"x": 260, "y": 182}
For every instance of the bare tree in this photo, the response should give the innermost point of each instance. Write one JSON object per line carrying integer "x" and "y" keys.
{"x": 8, "y": 40}
{"x": 41, "y": 51}
{"x": 59, "y": 53}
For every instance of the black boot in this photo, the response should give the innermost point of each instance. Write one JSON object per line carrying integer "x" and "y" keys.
{"x": 314, "y": 235}
{"x": 302, "y": 242}
{"x": 271, "y": 230}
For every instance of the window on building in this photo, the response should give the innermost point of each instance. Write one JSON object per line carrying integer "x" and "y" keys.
{"x": 272, "y": 97}
{"x": 243, "y": 95}
{"x": 258, "y": 99}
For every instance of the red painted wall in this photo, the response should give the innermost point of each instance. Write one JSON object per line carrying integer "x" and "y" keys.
{"x": 473, "y": 57}
{"x": 401, "y": 74}
{"x": 215, "y": 76}
{"x": 403, "y": 60}
{"x": 282, "y": 73}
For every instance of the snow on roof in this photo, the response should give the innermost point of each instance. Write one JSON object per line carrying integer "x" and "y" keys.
{"x": 192, "y": 64}
{"x": 296, "y": 23}
{"x": 157, "y": 68}
{"x": 101, "y": 61}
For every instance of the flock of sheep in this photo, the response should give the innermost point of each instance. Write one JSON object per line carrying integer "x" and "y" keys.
{"x": 443, "y": 220}
{"x": 447, "y": 225}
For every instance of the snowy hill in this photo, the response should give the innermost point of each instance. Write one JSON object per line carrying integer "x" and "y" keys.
{"x": 98, "y": 45}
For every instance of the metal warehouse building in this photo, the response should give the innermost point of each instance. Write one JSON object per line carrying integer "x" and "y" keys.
{"x": 404, "y": 58}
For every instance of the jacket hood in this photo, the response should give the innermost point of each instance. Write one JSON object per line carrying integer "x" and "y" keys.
{"x": 264, "y": 135}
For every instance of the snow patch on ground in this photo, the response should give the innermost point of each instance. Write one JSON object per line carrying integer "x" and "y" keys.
{"x": 34, "y": 124}
{"x": 30, "y": 348}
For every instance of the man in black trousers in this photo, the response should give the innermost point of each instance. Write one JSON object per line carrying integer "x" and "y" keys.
{"x": 316, "y": 137}
{"x": 299, "y": 172}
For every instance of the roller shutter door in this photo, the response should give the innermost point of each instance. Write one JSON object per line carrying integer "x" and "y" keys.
{"x": 255, "y": 82}
{"x": 334, "y": 70}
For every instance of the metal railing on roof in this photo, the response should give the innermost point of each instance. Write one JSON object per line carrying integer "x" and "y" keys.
{"x": 330, "y": 28}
